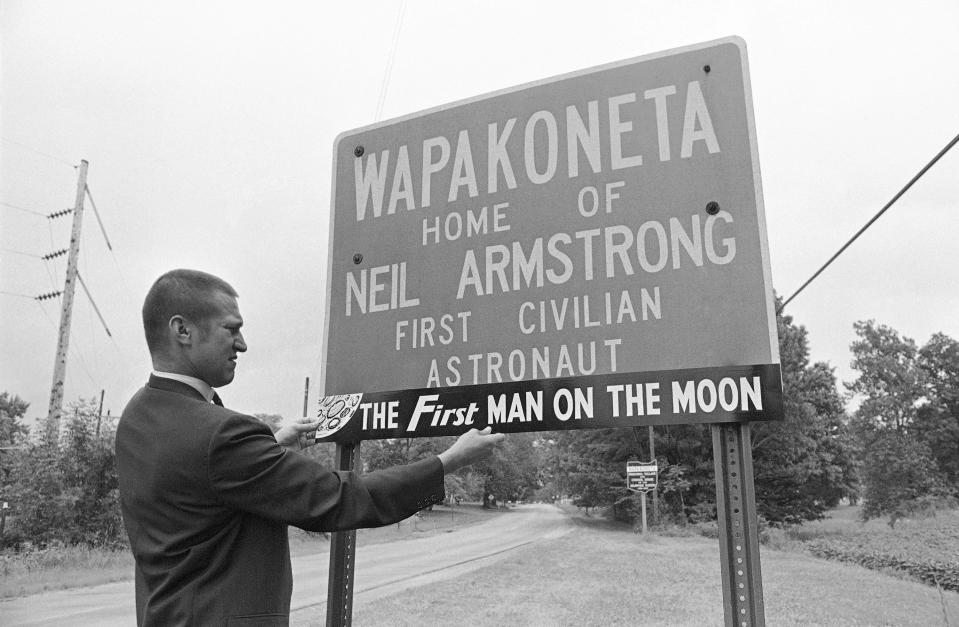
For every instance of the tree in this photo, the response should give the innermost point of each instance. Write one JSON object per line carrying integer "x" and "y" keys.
{"x": 890, "y": 379}
{"x": 463, "y": 485}
{"x": 379, "y": 454}
{"x": 803, "y": 464}
{"x": 590, "y": 466}
{"x": 672, "y": 480}
{"x": 898, "y": 473}
{"x": 511, "y": 473}
{"x": 12, "y": 434}
{"x": 905, "y": 397}
{"x": 937, "y": 422}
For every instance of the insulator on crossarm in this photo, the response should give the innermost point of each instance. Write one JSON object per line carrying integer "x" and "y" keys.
{"x": 54, "y": 255}
{"x": 59, "y": 214}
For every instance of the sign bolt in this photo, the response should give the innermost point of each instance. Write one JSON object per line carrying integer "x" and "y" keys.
{"x": 358, "y": 151}
{"x": 712, "y": 207}
{"x": 707, "y": 69}
{"x": 358, "y": 258}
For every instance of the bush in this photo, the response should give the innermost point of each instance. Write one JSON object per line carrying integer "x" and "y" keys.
{"x": 930, "y": 571}
{"x": 66, "y": 491}
{"x": 900, "y": 476}
{"x": 927, "y": 551}
{"x": 708, "y": 529}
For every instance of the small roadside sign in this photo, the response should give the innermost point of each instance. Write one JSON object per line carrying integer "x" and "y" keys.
{"x": 641, "y": 476}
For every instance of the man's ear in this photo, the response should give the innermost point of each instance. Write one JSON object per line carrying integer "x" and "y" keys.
{"x": 180, "y": 329}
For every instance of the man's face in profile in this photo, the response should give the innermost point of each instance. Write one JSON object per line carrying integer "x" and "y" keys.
{"x": 214, "y": 353}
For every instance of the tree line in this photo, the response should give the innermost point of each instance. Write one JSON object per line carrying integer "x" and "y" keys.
{"x": 890, "y": 440}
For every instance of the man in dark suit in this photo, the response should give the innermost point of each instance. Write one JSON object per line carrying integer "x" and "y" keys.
{"x": 207, "y": 492}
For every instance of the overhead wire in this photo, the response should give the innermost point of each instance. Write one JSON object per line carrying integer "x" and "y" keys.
{"x": 20, "y": 252}
{"x": 56, "y": 327}
{"x": 39, "y": 152}
{"x": 16, "y": 294}
{"x": 51, "y": 259}
{"x": 384, "y": 86}
{"x": 23, "y": 209}
{"x": 48, "y": 262}
{"x": 870, "y": 223}
{"x": 380, "y": 103}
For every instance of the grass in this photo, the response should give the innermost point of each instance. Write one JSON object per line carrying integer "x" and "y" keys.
{"x": 58, "y": 568}
{"x": 602, "y": 574}
{"x": 32, "y": 572}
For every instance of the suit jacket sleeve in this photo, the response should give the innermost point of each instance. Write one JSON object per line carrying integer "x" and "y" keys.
{"x": 249, "y": 471}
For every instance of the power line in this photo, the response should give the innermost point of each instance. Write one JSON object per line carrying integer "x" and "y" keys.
{"x": 39, "y": 152}
{"x": 52, "y": 247}
{"x": 23, "y": 209}
{"x": 16, "y": 294}
{"x": 46, "y": 266}
{"x": 20, "y": 252}
{"x": 874, "y": 218}
{"x": 83, "y": 363}
{"x": 389, "y": 63}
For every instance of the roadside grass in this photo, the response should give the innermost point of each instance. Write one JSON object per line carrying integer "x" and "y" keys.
{"x": 32, "y": 572}
{"x": 601, "y": 574}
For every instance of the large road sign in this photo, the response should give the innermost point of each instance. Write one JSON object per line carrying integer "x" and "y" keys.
{"x": 603, "y": 223}
{"x": 584, "y": 251}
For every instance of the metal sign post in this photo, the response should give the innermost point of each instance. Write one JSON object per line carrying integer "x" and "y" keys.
{"x": 587, "y": 251}
{"x": 738, "y": 527}
{"x": 339, "y": 594}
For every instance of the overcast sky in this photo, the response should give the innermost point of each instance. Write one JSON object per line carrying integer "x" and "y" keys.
{"x": 209, "y": 129}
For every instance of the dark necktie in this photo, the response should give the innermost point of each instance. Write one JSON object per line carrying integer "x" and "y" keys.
{"x": 216, "y": 399}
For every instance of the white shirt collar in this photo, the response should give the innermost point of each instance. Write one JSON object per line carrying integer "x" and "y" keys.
{"x": 197, "y": 384}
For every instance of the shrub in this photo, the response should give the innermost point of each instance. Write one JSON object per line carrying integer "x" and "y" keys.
{"x": 927, "y": 550}
{"x": 66, "y": 490}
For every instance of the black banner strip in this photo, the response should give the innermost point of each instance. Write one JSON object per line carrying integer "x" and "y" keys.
{"x": 692, "y": 396}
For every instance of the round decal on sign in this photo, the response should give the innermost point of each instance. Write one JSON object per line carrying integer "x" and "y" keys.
{"x": 335, "y": 411}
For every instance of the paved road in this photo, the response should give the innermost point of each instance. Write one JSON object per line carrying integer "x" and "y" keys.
{"x": 381, "y": 570}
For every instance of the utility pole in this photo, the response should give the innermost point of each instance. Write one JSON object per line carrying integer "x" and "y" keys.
{"x": 66, "y": 311}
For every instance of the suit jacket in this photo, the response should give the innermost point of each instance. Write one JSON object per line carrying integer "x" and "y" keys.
{"x": 206, "y": 495}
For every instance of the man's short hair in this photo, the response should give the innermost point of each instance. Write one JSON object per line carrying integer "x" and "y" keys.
{"x": 189, "y": 293}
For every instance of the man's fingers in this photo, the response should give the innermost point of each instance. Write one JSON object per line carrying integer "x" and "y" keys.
{"x": 306, "y": 424}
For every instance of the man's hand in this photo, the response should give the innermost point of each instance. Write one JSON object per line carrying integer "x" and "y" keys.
{"x": 471, "y": 447}
{"x": 291, "y": 432}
